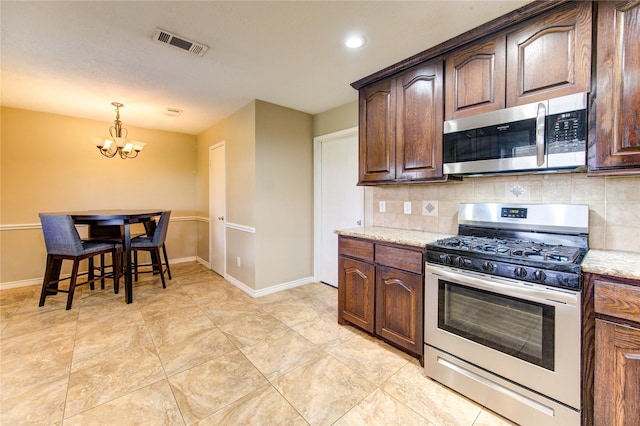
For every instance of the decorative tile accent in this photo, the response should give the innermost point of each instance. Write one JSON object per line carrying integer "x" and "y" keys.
{"x": 517, "y": 191}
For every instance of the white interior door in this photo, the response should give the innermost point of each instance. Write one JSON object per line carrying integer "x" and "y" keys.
{"x": 217, "y": 208}
{"x": 339, "y": 201}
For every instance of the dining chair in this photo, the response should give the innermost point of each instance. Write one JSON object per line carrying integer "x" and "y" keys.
{"x": 106, "y": 234}
{"x": 152, "y": 243}
{"x": 63, "y": 242}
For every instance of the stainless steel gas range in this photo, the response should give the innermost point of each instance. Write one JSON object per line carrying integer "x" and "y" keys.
{"x": 503, "y": 309}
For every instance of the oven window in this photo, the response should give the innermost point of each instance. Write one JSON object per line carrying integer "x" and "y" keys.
{"x": 516, "y": 327}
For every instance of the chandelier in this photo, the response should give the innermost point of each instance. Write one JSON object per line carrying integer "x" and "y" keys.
{"x": 118, "y": 143}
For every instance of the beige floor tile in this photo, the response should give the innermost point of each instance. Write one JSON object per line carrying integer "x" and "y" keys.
{"x": 264, "y": 406}
{"x": 281, "y": 352}
{"x": 170, "y": 357}
{"x": 291, "y": 311}
{"x": 323, "y": 390}
{"x": 151, "y": 405}
{"x": 207, "y": 388}
{"x": 436, "y": 403}
{"x": 188, "y": 341}
{"x": 252, "y": 329}
{"x": 29, "y": 318}
{"x": 325, "y": 332}
{"x": 104, "y": 317}
{"x": 232, "y": 310}
{"x": 370, "y": 358}
{"x": 40, "y": 403}
{"x": 110, "y": 365}
{"x": 378, "y": 408}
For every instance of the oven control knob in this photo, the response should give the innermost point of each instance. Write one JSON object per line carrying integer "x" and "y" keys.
{"x": 520, "y": 272}
{"x": 488, "y": 266}
{"x": 445, "y": 259}
{"x": 461, "y": 261}
{"x": 539, "y": 276}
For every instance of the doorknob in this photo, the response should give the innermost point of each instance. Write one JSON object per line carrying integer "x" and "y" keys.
{"x": 220, "y": 217}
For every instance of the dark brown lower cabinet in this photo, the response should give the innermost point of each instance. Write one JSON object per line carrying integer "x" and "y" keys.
{"x": 381, "y": 290}
{"x": 356, "y": 293}
{"x": 399, "y": 313}
{"x": 617, "y": 376}
{"x": 611, "y": 351}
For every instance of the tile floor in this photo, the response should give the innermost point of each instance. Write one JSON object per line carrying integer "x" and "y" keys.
{"x": 203, "y": 352}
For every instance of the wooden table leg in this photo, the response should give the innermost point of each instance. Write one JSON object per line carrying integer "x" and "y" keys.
{"x": 128, "y": 281}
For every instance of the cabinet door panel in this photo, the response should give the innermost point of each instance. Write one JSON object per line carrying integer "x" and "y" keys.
{"x": 377, "y": 132}
{"x": 419, "y": 123}
{"x": 617, "y": 374}
{"x": 356, "y": 293}
{"x": 617, "y": 104}
{"x": 475, "y": 77}
{"x": 399, "y": 310}
{"x": 551, "y": 56}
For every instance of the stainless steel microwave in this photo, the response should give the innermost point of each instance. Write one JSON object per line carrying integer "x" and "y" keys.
{"x": 537, "y": 137}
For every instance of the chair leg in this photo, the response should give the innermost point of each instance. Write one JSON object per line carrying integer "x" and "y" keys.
{"x": 90, "y": 272}
{"x": 72, "y": 284}
{"x": 102, "y": 271}
{"x": 115, "y": 263}
{"x": 135, "y": 265}
{"x": 47, "y": 278}
{"x": 166, "y": 260}
{"x": 159, "y": 263}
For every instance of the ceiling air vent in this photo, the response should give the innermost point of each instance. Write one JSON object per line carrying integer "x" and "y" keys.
{"x": 180, "y": 42}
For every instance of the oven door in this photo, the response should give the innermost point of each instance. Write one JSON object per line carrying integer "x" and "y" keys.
{"x": 525, "y": 333}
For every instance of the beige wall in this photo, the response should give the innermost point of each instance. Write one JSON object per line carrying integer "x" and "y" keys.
{"x": 238, "y": 133}
{"x": 336, "y": 119}
{"x": 49, "y": 163}
{"x": 268, "y": 190}
{"x": 284, "y": 195}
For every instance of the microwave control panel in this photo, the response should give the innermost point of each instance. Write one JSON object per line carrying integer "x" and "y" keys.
{"x": 567, "y": 132}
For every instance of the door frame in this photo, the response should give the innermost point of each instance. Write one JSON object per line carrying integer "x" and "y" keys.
{"x": 317, "y": 191}
{"x": 211, "y": 219}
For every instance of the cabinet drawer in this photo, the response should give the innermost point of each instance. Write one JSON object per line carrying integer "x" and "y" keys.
{"x": 399, "y": 258}
{"x": 617, "y": 299}
{"x": 360, "y": 249}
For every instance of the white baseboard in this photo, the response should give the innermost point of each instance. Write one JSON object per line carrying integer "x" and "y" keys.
{"x": 269, "y": 290}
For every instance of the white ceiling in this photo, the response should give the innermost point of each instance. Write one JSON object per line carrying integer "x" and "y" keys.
{"x": 76, "y": 57}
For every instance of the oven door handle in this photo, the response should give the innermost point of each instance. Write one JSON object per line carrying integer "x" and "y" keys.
{"x": 511, "y": 288}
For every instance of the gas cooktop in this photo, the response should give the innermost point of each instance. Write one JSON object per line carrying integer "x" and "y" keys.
{"x": 513, "y": 248}
{"x": 537, "y": 243}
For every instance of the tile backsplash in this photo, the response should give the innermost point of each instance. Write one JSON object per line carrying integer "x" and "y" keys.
{"x": 614, "y": 203}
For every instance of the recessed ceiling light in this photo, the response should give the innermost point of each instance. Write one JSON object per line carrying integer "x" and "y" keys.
{"x": 355, "y": 41}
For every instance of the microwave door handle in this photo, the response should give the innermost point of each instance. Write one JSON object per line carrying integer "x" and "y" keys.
{"x": 540, "y": 133}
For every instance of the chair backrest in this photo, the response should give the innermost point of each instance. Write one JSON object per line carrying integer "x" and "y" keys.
{"x": 60, "y": 234}
{"x": 160, "y": 234}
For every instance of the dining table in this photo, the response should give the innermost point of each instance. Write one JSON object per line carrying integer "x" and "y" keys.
{"x": 125, "y": 218}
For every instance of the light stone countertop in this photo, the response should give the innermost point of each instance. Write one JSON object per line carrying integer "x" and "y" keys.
{"x": 605, "y": 262}
{"x": 393, "y": 235}
{"x": 621, "y": 264}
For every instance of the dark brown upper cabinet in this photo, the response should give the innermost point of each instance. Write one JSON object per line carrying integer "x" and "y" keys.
{"x": 550, "y": 56}
{"x": 614, "y": 147}
{"x": 475, "y": 79}
{"x": 401, "y": 121}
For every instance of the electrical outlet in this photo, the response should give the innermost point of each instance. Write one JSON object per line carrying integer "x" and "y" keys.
{"x": 238, "y": 262}
{"x": 407, "y": 207}
{"x": 382, "y": 207}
